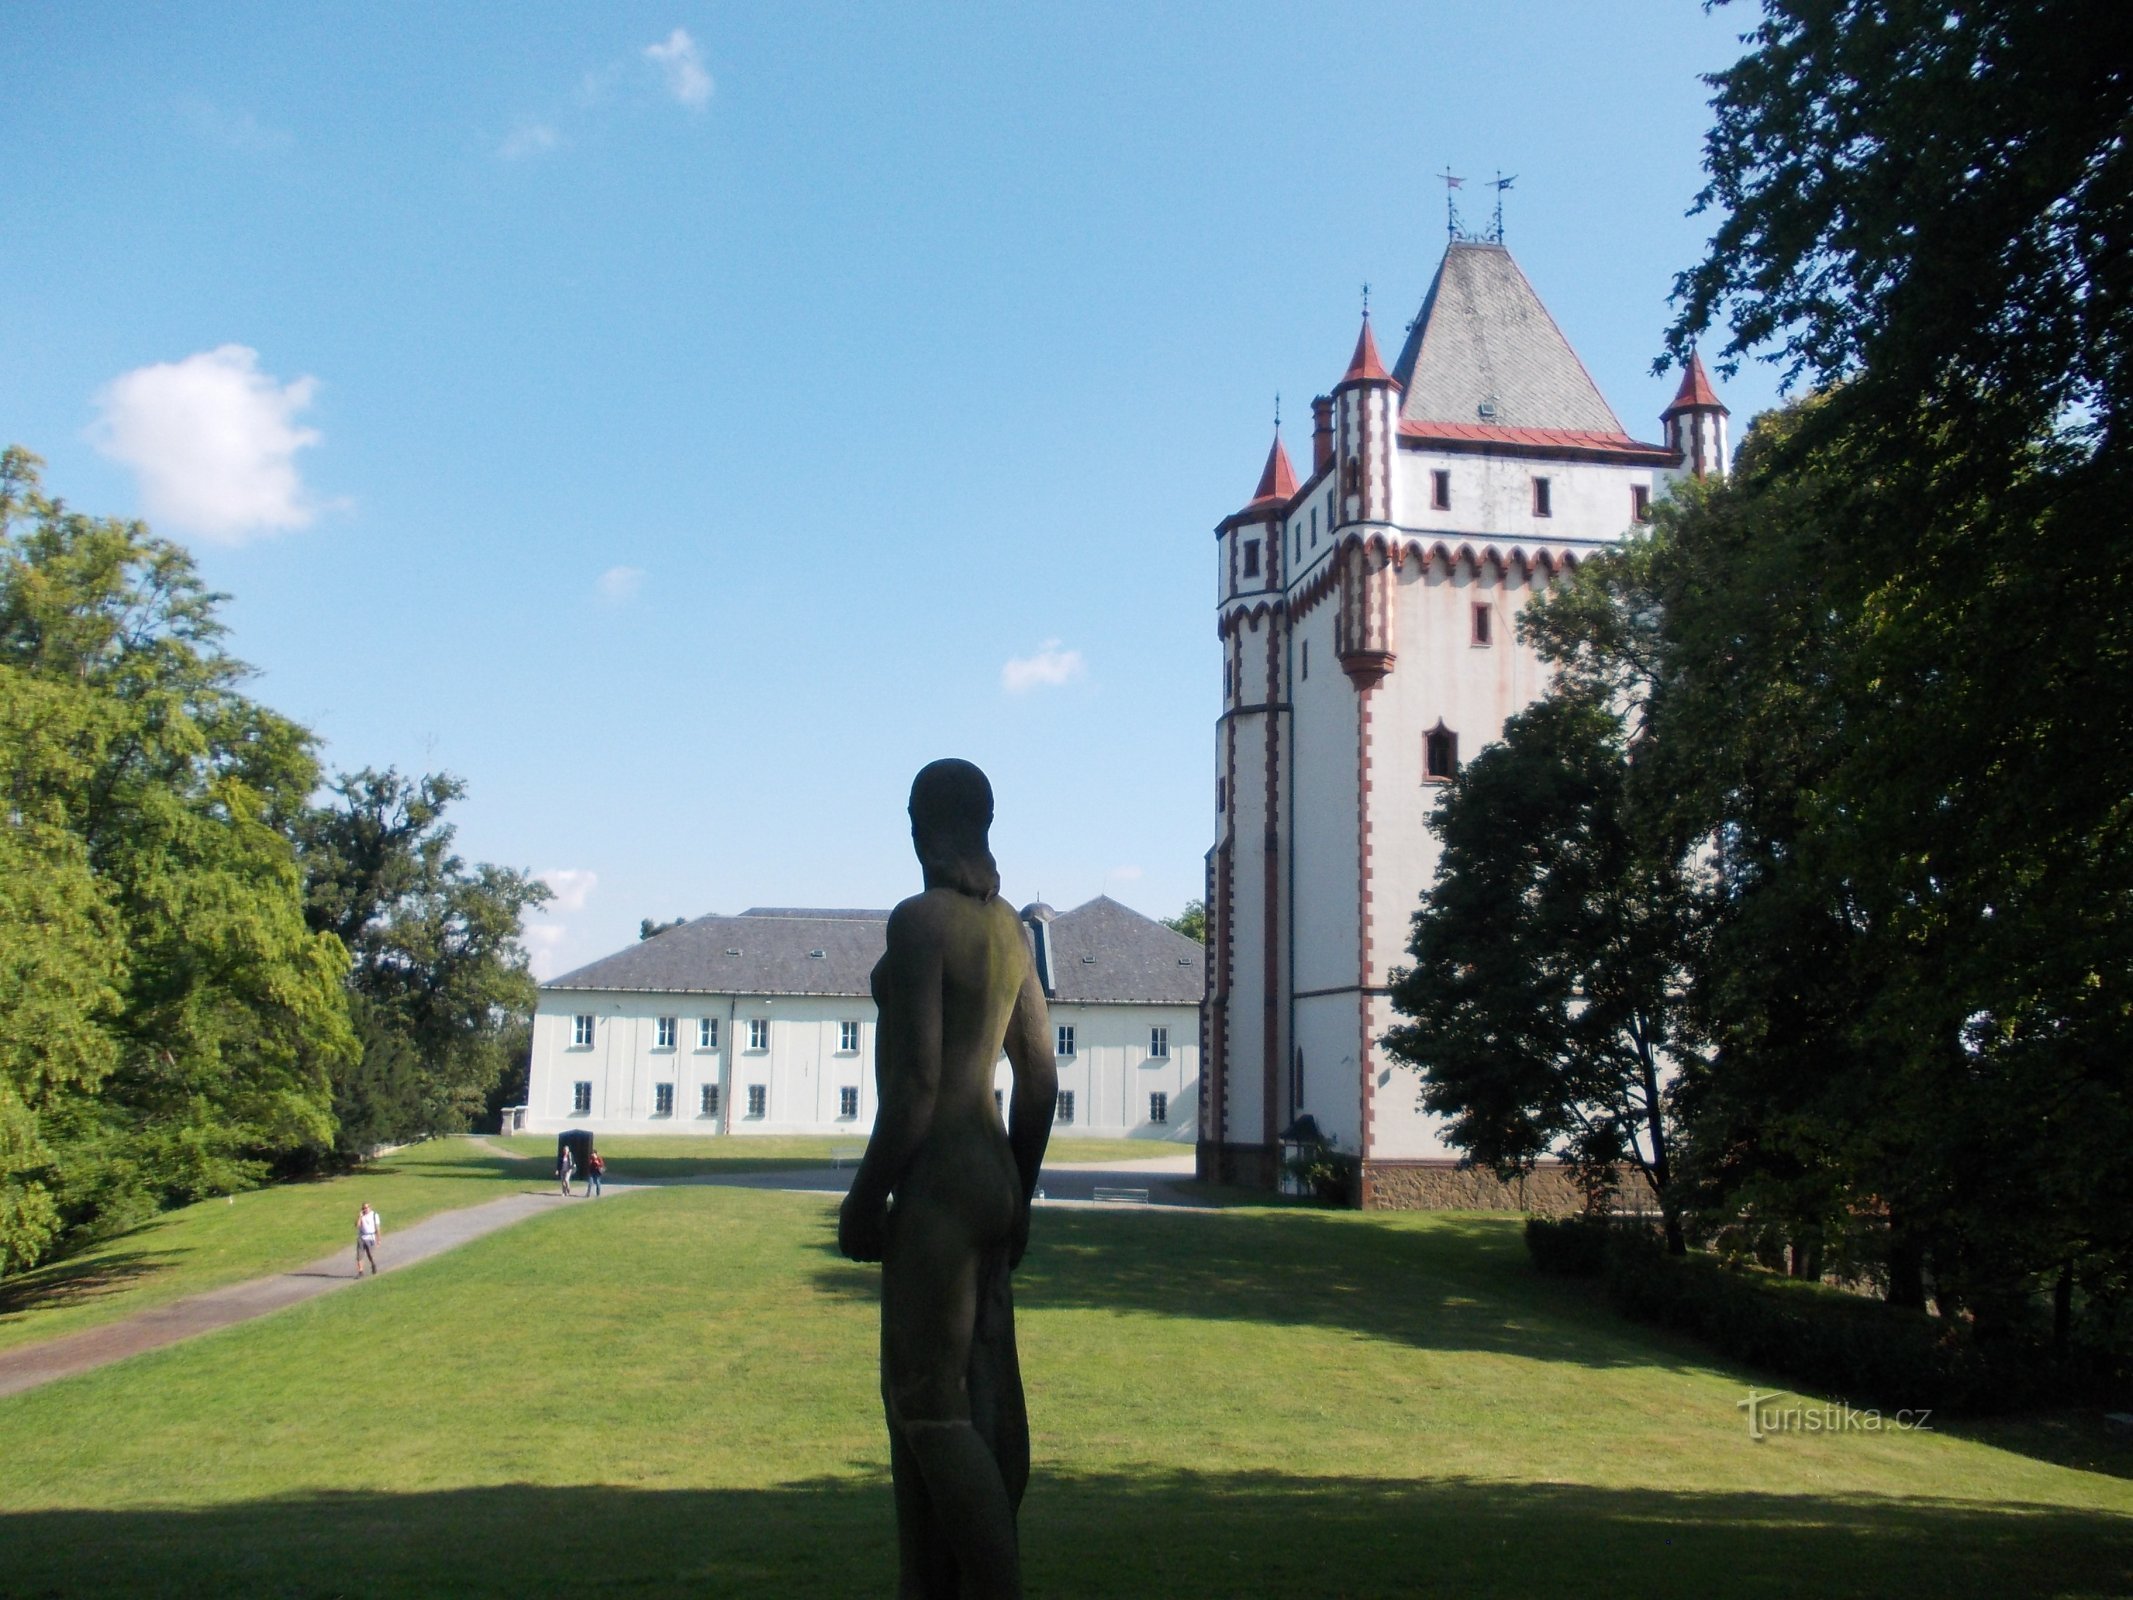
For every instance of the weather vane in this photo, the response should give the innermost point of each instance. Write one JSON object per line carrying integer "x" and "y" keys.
{"x": 1502, "y": 183}
{"x": 1277, "y": 411}
{"x": 1366, "y": 302}
{"x": 1451, "y": 208}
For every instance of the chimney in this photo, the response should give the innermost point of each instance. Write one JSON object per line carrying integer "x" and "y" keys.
{"x": 1321, "y": 434}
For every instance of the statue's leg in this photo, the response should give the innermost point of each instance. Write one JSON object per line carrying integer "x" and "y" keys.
{"x": 925, "y": 1560}
{"x": 996, "y": 1405}
{"x": 928, "y": 1317}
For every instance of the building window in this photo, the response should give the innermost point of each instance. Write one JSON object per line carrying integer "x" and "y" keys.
{"x": 707, "y": 1100}
{"x": 1221, "y": 794}
{"x": 1251, "y": 558}
{"x": 848, "y": 1102}
{"x": 581, "y": 1031}
{"x": 662, "y": 1099}
{"x": 1063, "y": 1111}
{"x": 707, "y": 1033}
{"x": 1353, "y": 478}
{"x": 1065, "y": 1045}
{"x": 1314, "y": 527}
{"x": 1307, "y": 658}
{"x": 1440, "y": 490}
{"x": 581, "y": 1098}
{"x": 1482, "y": 622}
{"x": 1543, "y": 501}
{"x": 1159, "y": 1043}
{"x": 759, "y": 1033}
{"x": 848, "y": 1038}
{"x": 1159, "y": 1107}
{"x": 667, "y": 1032}
{"x": 1440, "y": 754}
{"x": 1640, "y": 503}
{"x": 758, "y": 1101}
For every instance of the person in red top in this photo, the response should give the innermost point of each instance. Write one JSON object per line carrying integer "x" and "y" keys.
{"x": 595, "y": 1170}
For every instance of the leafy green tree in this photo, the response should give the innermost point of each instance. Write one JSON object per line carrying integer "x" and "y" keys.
{"x": 154, "y": 797}
{"x": 1191, "y": 922}
{"x": 434, "y": 947}
{"x": 649, "y": 928}
{"x": 1544, "y": 1001}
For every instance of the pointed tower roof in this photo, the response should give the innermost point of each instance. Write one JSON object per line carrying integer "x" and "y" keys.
{"x": 1364, "y": 365}
{"x": 1278, "y": 481}
{"x": 1695, "y": 392}
{"x": 1484, "y": 350}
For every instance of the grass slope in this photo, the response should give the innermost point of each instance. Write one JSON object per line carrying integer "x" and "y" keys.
{"x": 673, "y": 1392}
{"x": 245, "y": 1236}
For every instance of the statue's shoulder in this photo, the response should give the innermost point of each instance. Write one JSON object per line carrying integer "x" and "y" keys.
{"x": 931, "y": 914}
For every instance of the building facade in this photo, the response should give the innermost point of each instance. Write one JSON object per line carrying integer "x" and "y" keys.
{"x": 1367, "y": 617}
{"x": 764, "y": 1023}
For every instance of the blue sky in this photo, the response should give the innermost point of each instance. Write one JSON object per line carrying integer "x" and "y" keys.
{"x": 684, "y": 421}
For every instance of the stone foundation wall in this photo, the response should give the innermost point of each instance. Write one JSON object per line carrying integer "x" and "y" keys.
{"x": 1443, "y": 1186}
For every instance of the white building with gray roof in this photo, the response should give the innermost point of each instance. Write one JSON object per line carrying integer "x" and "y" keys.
{"x": 764, "y": 1023}
{"x": 1368, "y": 624}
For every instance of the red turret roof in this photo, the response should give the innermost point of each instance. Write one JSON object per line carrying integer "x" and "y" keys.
{"x": 1364, "y": 364}
{"x": 1278, "y": 481}
{"x": 1695, "y": 390}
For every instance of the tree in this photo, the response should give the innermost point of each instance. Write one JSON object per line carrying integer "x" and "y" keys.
{"x": 648, "y": 928}
{"x": 1191, "y": 922}
{"x": 1924, "y": 209}
{"x": 1546, "y": 989}
{"x": 434, "y": 952}
{"x": 183, "y": 1013}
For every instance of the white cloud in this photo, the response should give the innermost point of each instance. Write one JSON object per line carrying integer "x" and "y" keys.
{"x": 232, "y": 130}
{"x": 213, "y": 441}
{"x": 619, "y": 585}
{"x": 570, "y": 886}
{"x": 528, "y": 138}
{"x": 1048, "y": 668}
{"x": 597, "y": 85}
{"x": 1124, "y": 874}
{"x": 683, "y": 68}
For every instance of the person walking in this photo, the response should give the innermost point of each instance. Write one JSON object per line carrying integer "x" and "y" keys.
{"x": 564, "y": 1167}
{"x": 595, "y": 1170}
{"x": 367, "y": 1222}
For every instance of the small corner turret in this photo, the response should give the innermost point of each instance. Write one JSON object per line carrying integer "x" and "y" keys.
{"x": 1365, "y": 431}
{"x": 1696, "y": 424}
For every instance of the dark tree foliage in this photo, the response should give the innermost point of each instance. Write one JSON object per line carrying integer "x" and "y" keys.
{"x": 1191, "y": 922}
{"x": 649, "y": 928}
{"x": 1543, "y": 1003}
{"x": 434, "y": 952}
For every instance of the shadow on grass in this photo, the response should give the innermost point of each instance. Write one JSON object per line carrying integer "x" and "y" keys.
{"x": 75, "y": 1282}
{"x": 1167, "y": 1534}
{"x": 1457, "y": 1284}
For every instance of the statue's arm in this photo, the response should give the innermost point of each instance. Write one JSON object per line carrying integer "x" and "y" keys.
{"x": 907, "y": 1078}
{"x": 1029, "y": 1123}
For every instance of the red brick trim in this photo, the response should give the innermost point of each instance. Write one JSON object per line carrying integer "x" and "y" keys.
{"x": 1270, "y": 856}
{"x": 1363, "y": 868}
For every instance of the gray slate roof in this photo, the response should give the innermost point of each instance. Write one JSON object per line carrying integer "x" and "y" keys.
{"x": 770, "y": 950}
{"x": 1106, "y": 952}
{"x": 1485, "y": 338}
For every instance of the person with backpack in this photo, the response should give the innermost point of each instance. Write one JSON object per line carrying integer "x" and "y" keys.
{"x": 595, "y": 1170}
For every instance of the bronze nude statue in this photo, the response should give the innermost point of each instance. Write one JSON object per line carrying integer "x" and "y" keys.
{"x": 942, "y": 1198}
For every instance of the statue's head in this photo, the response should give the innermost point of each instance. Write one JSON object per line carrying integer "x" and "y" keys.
{"x": 951, "y": 813}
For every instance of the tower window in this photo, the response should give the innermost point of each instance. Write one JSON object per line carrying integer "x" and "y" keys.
{"x": 1543, "y": 500}
{"x": 1483, "y": 622}
{"x": 1251, "y": 558}
{"x": 1440, "y": 754}
{"x": 1440, "y": 490}
{"x": 1221, "y": 794}
{"x": 1640, "y": 503}
{"x": 1307, "y": 658}
{"x": 1353, "y": 477}
{"x": 1314, "y": 527}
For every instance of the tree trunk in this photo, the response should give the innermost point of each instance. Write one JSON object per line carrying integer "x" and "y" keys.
{"x": 1907, "y": 1271}
{"x": 2063, "y": 1310}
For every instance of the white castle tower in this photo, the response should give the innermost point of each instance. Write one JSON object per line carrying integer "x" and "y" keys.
{"x": 1367, "y": 619}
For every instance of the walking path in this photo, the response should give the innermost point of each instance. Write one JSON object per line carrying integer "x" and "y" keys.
{"x": 32, "y": 1365}
{"x": 1071, "y": 1183}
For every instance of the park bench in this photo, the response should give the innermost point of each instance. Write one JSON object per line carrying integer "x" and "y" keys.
{"x": 1113, "y": 1194}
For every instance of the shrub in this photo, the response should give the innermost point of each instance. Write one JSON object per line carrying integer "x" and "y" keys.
{"x": 1568, "y": 1247}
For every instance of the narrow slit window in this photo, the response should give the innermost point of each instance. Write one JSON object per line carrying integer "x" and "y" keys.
{"x": 1484, "y": 623}
{"x": 1440, "y": 754}
{"x": 1543, "y": 498}
{"x": 1640, "y": 503}
{"x": 1251, "y": 558}
{"x": 1440, "y": 490}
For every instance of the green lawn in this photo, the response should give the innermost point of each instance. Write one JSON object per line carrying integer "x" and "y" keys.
{"x": 248, "y": 1235}
{"x": 654, "y": 1156}
{"x": 673, "y": 1392}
